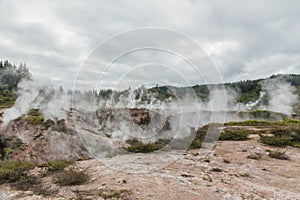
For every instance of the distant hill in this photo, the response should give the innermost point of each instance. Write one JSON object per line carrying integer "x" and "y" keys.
{"x": 247, "y": 90}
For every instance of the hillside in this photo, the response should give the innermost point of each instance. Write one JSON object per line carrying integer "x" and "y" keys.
{"x": 247, "y": 90}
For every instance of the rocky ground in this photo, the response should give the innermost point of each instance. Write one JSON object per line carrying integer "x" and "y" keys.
{"x": 226, "y": 172}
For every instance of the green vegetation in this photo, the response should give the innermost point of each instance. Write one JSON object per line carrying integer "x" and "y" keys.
{"x": 196, "y": 144}
{"x": 8, "y": 144}
{"x": 47, "y": 124}
{"x": 279, "y": 141}
{"x": 10, "y": 76}
{"x": 237, "y": 135}
{"x": 296, "y": 144}
{"x": 283, "y": 136}
{"x": 277, "y": 154}
{"x": 34, "y": 119}
{"x": 292, "y": 121}
{"x": 143, "y": 148}
{"x": 71, "y": 177}
{"x": 261, "y": 114}
{"x": 34, "y": 116}
{"x": 60, "y": 126}
{"x": 249, "y": 90}
{"x": 13, "y": 171}
{"x": 253, "y": 123}
{"x": 200, "y": 134}
{"x": 273, "y": 133}
{"x": 7, "y": 97}
{"x": 113, "y": 194}
{"x": 255, "y": 156}
{"x": 286, "y": 122}
{"x": 55, "y": 166}
{"x": 139, "y": 147}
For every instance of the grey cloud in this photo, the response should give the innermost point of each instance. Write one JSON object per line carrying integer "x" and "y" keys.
{"x": 246, "y": 40}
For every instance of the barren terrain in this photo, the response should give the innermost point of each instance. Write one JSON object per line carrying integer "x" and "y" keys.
{"x": 226, "y": 173}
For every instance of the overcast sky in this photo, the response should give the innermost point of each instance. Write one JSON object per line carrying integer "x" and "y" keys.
{"x": 244, "y": 39}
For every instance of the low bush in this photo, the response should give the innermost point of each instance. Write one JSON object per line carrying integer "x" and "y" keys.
{"x": 55, "y": 165}
{"x": 296, "y": 144}
{"x": 255, "y": 156}
{"x": 61, "y": 127}
{"x": 13, "y": 171}
{"x": 34, "y": 119}
{"x": 206, "y": 133}
{"x": 292, "y": 121}
{"x": 290, "y": 131}
{"x": 71, "y": 177}
{"x": 278, "y": 155}
{"x": 26, "y": 183}
{"x": 278, "y": 141}
{"x": 139, "y": 147}
{"x": 285, "y": 122}
{"x": 237, "y": 135}
{"x": 144, "y": 148}
{"x": 47, "y": 124}
{"x": 262, "y": 114}
{"x": 34, "y": 116}
{"x": 7, "y": 145}
{"x": 196, "y": 144}
{"x": 114, "y": 194}
{"x": 253, "y": 123}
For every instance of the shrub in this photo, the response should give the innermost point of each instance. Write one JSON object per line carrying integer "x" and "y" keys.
{"x": 291, "y": 131}
{"x": 139, "y": 147}
{"x": 262, "y": 114}
{"x": 292, "y": 121}
{"x": 237, "y": 135}
{"x": 286, "y": 122}
{"x": 8, "y": 144}
{"x": 278, "y": 155}
{"x": 255, "y": 156}
{"x": 296, "y": 144}
{"x": 216, "y": 169}
{"x": 26, "y": 182}
{"x": 47, "y": 124}
{"x": 34, "y": 112}
{"x": 34, "y": 119}
{"x": 61, "y": 127}
{"x": 197, "y": 143}
{"x": 13, "y": 171}
{"x": 252, "y": 123}
{"x": 55, "y": 166}
{"x": 114, "y": 194}
{"x": 144, "y": 148}
{"x": 71, "y": 177}
{"x": 278, "y": 141}
{"x": 34, "y": 116}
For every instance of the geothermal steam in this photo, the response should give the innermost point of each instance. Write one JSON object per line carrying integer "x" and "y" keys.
{"x": 55, "y": 104}
{"x": 281, "y": 96}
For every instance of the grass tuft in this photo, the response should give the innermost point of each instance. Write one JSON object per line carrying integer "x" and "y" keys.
{"x": 71, "y": 177}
